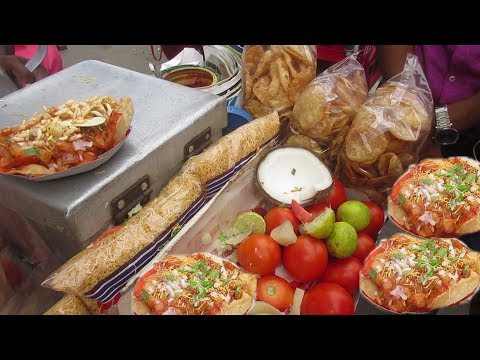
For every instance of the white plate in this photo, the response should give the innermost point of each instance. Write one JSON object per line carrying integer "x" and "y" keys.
{"x": 76, "y": 169}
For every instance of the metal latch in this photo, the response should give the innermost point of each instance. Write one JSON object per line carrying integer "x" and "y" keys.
{"x": 198, "y": 144}
{"x": 138, "y": 193}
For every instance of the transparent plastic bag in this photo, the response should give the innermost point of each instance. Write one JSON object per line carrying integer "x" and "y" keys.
{"x": 100, "y": 270}
{"x": 274, "y": 77}
{"x": 219, "y": 163}
{"x": 327, "y": 106}
{"x": 388, "y": 131}
{"x": 69, "y": 305}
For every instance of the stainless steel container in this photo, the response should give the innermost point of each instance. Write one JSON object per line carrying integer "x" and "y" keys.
{"x": 171, "y": 123}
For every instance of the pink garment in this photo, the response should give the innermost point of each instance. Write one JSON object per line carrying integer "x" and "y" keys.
{"x": 52, "y": 62}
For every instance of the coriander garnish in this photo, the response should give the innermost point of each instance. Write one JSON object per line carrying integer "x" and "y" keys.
{"x": 144, "y": 295}
{"x": 33, "y": 151}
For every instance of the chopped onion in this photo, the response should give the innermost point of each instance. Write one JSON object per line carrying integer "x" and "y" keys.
{"x": 135, "y": 210}
{"x": 284, "y": 234}
{"x": 398, "y": 293}
{"x": 170, "y": 311}
{"x": 263, "y": 308}
{"x": 81, "y": 145}
{"x": 426, "y": 217}
{"x": 297, "y": 301}
{"x": 206, "y": 239}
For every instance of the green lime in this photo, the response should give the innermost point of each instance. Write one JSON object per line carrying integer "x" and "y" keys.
{"x": 250, "y": 222}
{"x": 342, "y": 241}
{"x": 354, "y": 212}
{"x": 322, "y": 225}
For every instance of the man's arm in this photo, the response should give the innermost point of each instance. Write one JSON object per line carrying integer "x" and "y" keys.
{"x": 465, "y": 114}
{"x": 14, "y": 67}
{"x": 391, "y": 59}
{"x": 6, "y": 50}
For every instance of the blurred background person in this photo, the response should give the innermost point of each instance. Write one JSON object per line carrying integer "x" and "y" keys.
{"x": 453, "y": 74}
{"x": 14, "y": 57}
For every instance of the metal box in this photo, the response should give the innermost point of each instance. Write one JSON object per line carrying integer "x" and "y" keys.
{"x": 171, "y": 123}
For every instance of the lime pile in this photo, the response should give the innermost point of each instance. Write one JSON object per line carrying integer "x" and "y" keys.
{"x": 341, "y": 235}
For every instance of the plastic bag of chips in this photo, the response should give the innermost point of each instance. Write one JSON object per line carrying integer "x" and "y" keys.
{"x": 274, "y": 76}
{"x": 327, "y": 106}
{"x": 388, "y": 132}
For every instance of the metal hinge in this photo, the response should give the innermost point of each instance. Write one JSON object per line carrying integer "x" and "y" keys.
{"x": 138, "y": 193}
{"x": 198, "y": 144}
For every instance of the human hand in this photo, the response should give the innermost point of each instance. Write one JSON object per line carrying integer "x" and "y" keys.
{"x": 15, "y": 68}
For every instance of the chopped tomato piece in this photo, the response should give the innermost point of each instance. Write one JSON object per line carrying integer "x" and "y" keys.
{"x": 300, "y": 213}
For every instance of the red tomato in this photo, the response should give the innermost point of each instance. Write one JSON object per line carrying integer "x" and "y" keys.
{"x": 365, "y": 245}
{"x": 277, "y": 216}
{"x": 344, "y": 272}
{"x": 338, "y": 195}
{"x": 300, "y": 213}
{"x": 259, "y": 254}
{"x": 276, "y": 291}
{"x": 377, "y": 218}
{"x": 306, "y": 259}
{"x": 316, "y": 209}
{"x": 327, "y": 299}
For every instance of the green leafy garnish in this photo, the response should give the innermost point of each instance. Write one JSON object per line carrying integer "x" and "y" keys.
{"x": 169, "y": 277}
{"x": 441, "y": 252}
{"x": 214, "y": 273}
{"x": 465, "y": 269}
{"x": 456, "y": 170}
{"x": 222, "y": 236}
{"x": 201, "y": 294}
{"x": 426, "y": 181}
{"x": 237, "y": 290}
{"x": 207, "y": 284}
{"x": 398, "y": 256}
{"x": 294, "y": 171}
{"x": 422, "y": 263}
{"x": 144, "y": 295}
{"x": 401, "y": 199}
{"x": 8, "y": 141}
{"x": 373, "y": 274}
{"x": 200, "y": 265}
{"x": 470, "y": 178}
{"x": 427, "y": 245}
{"x": 33, "y": 151}
{"x": 463, "y": 188}
{"x": 453, "y": 260}
{"x": 450, "y": 188}
{"x": 282, "y": 205}
{"x": 176, "y": 230}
